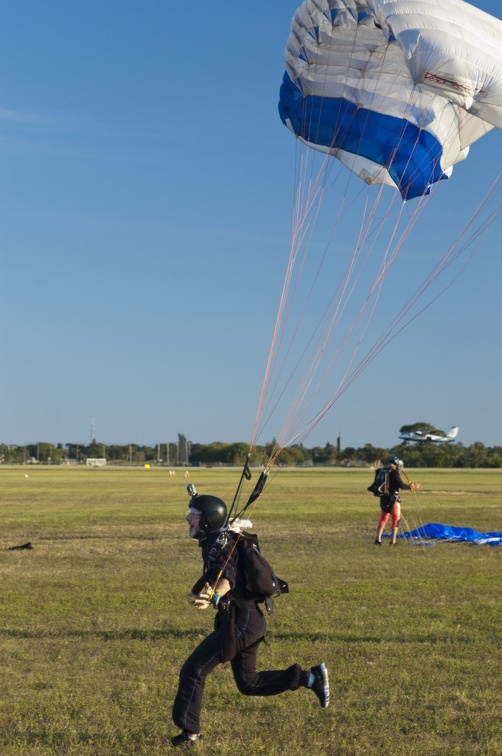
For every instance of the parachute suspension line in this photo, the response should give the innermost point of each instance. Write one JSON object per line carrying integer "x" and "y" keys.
{"x": 415, "y": 495}
{"x": 325, "y": 327}
{"x": 406, "y": 165}
{"x": 344, "y": 383}
{"x": 393, "y": 330}
{"x": 275, "y": 337}
{"x": 301, "y": 224}
{"x": 304, "y": 223}
{"x": 476, "y": 234}
{"x": 302, "y": 388}
{"x": 416, "y": 516}
{"x": 378, "y": 347}
{"x": 299, "y": 219}
{"x": 335, "y": 313}
{"x": 278, "y": 326}
{"x": 302, "y": 219}
{"x": 374, "y": 293}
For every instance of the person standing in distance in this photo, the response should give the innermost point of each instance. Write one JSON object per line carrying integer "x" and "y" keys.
{"x": 390, "y": 503}
{"x": 239, "y": 627}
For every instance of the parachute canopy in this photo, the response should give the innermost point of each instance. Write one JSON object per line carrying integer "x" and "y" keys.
{"x": 450, "y": 533}
{"x": 395, "y": 89}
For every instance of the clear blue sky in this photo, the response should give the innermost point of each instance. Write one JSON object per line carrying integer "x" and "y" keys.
{"x": 146, "y": 192}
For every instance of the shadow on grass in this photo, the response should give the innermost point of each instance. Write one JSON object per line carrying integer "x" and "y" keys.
{"x": 198, "y": 633}
{"x": 107, "y": 537}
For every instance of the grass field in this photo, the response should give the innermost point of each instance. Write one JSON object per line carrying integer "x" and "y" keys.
{"x": 96, "y": 621}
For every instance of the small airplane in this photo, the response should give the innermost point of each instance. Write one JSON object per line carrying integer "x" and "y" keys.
{"x": 419, "y": 437}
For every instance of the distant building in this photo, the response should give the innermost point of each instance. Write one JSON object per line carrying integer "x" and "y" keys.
{"x": 183, "y": 450}
{"x": 96, "y": 462}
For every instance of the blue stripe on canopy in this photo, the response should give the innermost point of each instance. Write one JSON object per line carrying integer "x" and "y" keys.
{"x": 411, "y": 155}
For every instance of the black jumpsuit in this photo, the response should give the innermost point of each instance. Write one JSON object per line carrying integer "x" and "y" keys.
{"x": 250, "y": 628}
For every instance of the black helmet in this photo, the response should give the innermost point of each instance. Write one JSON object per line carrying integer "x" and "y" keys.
{"x": 213, "y": 512}
{"x": 397, "y": 462}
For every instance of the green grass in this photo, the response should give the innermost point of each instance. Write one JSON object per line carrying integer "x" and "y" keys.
{"x": 96, "y": 622}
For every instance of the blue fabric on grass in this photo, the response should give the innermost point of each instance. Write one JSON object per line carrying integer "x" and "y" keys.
{"x": 449, "y": 533}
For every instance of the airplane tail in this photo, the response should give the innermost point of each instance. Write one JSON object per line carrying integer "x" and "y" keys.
{"x": 453, "y": 433}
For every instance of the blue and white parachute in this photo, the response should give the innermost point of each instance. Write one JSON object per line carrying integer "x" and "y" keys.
{"x": 437, "y": 531}
{"x": 395, "y": 89}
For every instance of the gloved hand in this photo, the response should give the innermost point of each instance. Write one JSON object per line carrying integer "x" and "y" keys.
{"x": 203, "y": 600}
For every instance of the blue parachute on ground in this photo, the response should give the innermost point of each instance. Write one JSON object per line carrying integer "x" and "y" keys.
{"x": 440, "y": 532}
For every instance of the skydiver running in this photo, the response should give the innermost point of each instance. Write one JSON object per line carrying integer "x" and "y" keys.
{"x": 390, "y": 503}
{"x": 238, "y": 630}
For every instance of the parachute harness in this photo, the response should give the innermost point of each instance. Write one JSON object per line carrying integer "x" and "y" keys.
{"x": 257, "y": 491}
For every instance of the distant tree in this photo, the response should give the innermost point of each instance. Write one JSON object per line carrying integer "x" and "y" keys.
{"x": 115, "y": 453}
{"x": 270, "y": 447}
{"x": 58, "y": 454}
{"x": 32, "y": 451}
{"x": 94, "y": 449}
{"x": 293, "y": 455}
{"x": 150, "y": 454}
{"x": 431, "y": 455}
{"x": 421, "y": 427}
{"x": 136, "y": 456}
{"x": 348, "y": 455}
{"x": 44, "y": 451}
{"x": 323, "y": 455}
{"x": 259, "y": 456}
{"x": 236, "y": 454}
{"x": 473, "y": 456}
{"x": 140, "y": 456}
{"x": 494, "y": 457}
{"x": 196, "y": 453}
{"x": 371, "y": 454}
{"x": 209, "y": 454}
{"x": 419, "y": 455}
{"x": 428, "y": 455}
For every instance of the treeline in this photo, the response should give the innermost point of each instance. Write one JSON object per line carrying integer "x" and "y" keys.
{"x": 235, "y": 454}
{"x": 57, "y": 454}
{"x": 418, "y": 455}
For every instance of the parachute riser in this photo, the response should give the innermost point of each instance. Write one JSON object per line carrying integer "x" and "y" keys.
{"x": 257, "y": 491}
{"x": 255, "y": 494}
{"x": 245, "y": 475}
